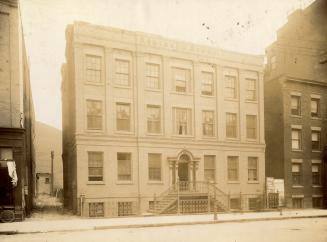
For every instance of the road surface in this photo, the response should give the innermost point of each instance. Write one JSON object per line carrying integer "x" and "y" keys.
{"x": 299, "y": 230}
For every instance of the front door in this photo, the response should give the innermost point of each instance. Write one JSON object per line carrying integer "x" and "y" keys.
{"x": 183, "y": 175}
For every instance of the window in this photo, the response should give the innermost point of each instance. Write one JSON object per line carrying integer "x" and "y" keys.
{"x": 183, "y": 121}
{"x": 95, "y": 166}
{"x": 232, "y": 166}
{"x": 315, "y": 139}
{"x": 251, "y": 126}
{"x": 316, "y": 174}
{"x": 124, "y": 166}
{"x": 315, "y": 106}
{"x": 96, "y": 209}
{"x": 93, "y": 68}
{"x": 152, "y": 76}
{"x": 296, "y": 139}
{"x": 297, "y": 202}
{"x": 231, "y": 125}
{"x": 254, "y": 203}
{"x": 6, "y": 154}
{"x": 122, "y": 72}
{"x": 47, "y": 180}
{"x": 123, "y": 116}
{"x": 154, "y": 167}
{"x": 273, "y": 62}
{"x": 207, "y": 83}
{"x": 210, "y": 168}
{"x": 125, "y": 208}
{"x": 153, "y": 119}
{"x": 296, "y": 105}
{"x": 230, "y": 87}
{"x": 235, "y": 203}
{"x": 251, "y": 89}
{"x": 94, "y": 114}
{"x": 253, "y": 169}
{"x": 208, "y": 123}
{"x": 296, "y": 174}
{"x": 317, "y": 202}
{"x": 181, "y": 79}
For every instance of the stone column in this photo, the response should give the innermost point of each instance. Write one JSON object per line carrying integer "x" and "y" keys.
{"x": 191, "y": 180}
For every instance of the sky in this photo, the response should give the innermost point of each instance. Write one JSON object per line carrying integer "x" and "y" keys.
{"x": 247, "y": 26}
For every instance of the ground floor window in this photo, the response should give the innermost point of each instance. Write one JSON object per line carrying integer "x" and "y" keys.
{"x": 297, "y": 202}
{"x": 151, "y": 205}
{"x": 235, "y": 203}
{"x": 125, "y": 208}
{"x": 96, "y": 209}
{"x": 317, "y": 202}
{"x": 254, "y": 203}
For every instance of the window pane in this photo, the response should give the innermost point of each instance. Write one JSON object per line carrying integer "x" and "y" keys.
{"x": 124, "y": 166}
{"x": 122, "y": 72}
{"x": 154, "y": 166}
{"x": 230, "y": 86}
{"x": 251, "y": 89}
{"x": 231, "y": 125}
{"x": 182, "y": 121}
{"x": 123, "y": 117}
{"x": 153, "y": 119}
{"x": 207, "y": 83}
{"x": 181, "y": 79}
{"x": 93, "y": 68}
{"x": 94, "y": 114}
{"x": 152, "y": 76}
{"x": 251, "y": 126}
{"x": 95, "y": 166}
{"x": 232, "y": 164}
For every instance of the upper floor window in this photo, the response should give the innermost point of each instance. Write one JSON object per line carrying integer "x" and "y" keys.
{"x": 251, "y": 126}
{"x": 232, "y": 166}
{"x": 153, "y": 119}
{"x": 296, "y": 139}
{"x": 315, "y": 140}
{"x": 183, "y": 121}
{"x": 95, "y": 166}
{"x": 181, "y": 80}
{"x": 154, "y": 167}
{"x": 316, "y": 174}
{"x": 315, "y": 107}
{"x": 94, "y": 114}
{"x": 208, "y": 123}
{"x": 296, "y": 173}
{"x": 251, "y": 89}
{"x": 122, "y": 72}
{"x": 207, "y": 83}
{"x": 152, "y": 76}
{"x": 296, "y": 105}
{"x": 231, "y": 125}
{"x": 123, "y": 117}
{"x": 230, "y": 87}
{"x": 124, "y": 166}
{"x": 93, "y": 68}
{"x": 209, "y": 167}
{"x": 252, "y": 168}
{"x": 6, "y": 153}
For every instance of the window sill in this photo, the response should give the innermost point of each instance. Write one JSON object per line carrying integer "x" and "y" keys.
{"x": 209, "y": 137}
{"x": 154, "y": 134}
{"x": 231, "y": 99}
{"x": 207, "y": 96}
{"x": 94, "y": 83}
{"x": 124, "y": 182}
{"x": 182, "y": 93}
{"x": 232, "y": 139}
{"x": 316, "y": 151}
{"x": 251, "y": 140}
{"x": 297, "y": 150}
{"x": 252, "y": 101}
{"x": 182, "y": 136}
{"x": 316, "y": 118}
{"x": 253, "y": 182}
{"x": 124, "y": 132}
{"x": 121, "y": 86}
{"x": 94, "y": 130}
{"x": 317, "y": 186}
{"x": 153, "y": 90}
{"x": 155, "y": 182}
{"x": 233, "y": 182}
{"x": 297, "y": 186}
{"x": 95, "y": 183}
{"x": 296, "y": 116}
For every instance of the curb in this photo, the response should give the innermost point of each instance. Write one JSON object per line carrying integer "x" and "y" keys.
{"x": 129, "y": 226}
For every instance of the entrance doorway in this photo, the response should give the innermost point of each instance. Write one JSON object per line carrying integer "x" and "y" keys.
{"x": 183, "y": 172}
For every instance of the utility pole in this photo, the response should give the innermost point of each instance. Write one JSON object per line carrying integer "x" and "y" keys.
{"x": 51, "y": 184}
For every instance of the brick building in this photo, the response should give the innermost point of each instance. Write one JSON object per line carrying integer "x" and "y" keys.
{"x": 143, "y": 114}
{"x": 16, "y": 117}
{"x": 296, "y": 106}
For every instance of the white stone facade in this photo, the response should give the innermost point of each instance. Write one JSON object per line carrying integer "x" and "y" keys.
{"x": 161, "y": 89}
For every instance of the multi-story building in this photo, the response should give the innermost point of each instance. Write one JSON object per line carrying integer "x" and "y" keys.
{"x": 16, "y": 117}
{"x": 142, "y": 114}
{"x": 295, "y": 106}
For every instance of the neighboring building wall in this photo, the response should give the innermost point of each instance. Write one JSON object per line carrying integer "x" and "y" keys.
{"x": 48, "y": 139}
{"x": 295, "y": 72}
{"x": 16, "y": 104}
{"x": 114, "y": 47}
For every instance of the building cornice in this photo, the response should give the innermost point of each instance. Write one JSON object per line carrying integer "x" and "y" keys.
{"x": 305, "y": 81}
{"x": 10, "y": 3}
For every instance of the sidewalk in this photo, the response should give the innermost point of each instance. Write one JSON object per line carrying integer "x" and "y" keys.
{"x": 73, "y": 223}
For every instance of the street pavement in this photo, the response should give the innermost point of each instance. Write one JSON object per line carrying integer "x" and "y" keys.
{"x": 286, "y": 230}
{"x": 64, "y": 223}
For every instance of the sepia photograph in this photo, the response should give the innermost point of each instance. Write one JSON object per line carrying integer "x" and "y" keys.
{"x": 163, "y": 120}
